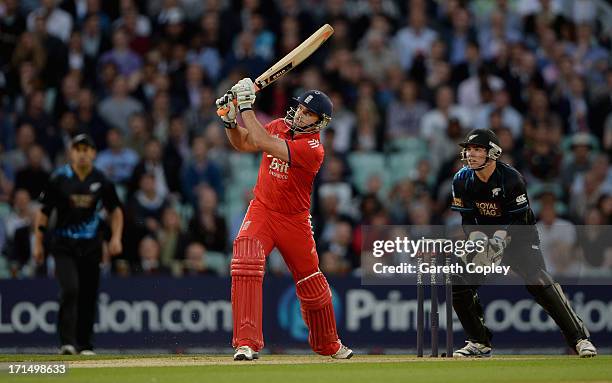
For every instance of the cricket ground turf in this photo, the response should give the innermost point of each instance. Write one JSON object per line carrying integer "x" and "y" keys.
{"x": 312, "y": 369}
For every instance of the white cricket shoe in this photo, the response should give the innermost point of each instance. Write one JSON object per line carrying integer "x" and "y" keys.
{"x": 245, "y": 353}
{"x": 87, "y": 352}
{"x": 67, "y": 349}
{"x": 473, "y": 350}
{"x": 586, "y": 349}
{"x": 343, "y": 353}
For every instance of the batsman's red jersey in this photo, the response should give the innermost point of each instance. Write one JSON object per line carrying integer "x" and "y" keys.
{"x": 285, "y": 187}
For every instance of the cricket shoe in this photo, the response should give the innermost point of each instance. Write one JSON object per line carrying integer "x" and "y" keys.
{"x": 586, "y": 349}
{"x": 245, "y": 353}
{"x": 473, "y": 350}
{"x": 67, "y": 349}
{"x": 87, "y": 352}
{"x": 343, "y": 353}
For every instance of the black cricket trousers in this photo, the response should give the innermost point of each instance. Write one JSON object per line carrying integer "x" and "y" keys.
{"x": 77, "y": 268}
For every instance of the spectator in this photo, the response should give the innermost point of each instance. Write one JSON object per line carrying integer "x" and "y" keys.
{"x": 80, "y": 11}
{"x": 415, "y": 39}
{"x": 201, "y": 114}
{"x": 33, "y": 177}
{"x": 580, "y": 159}
{"x": 468, "y": 67}
{"x": 341, "y": 244}
{"x": 17, "y": 228}
{"x": 244, "y": 55}
{"x": 172, "y": 238}
{"x": 16, "y": 159}
{"x": 88, "y": 118}
{"x": 121, "y": 55}
{"x": 93, "y": 38}
{"x": 200, "y": 170}
{"x": 557, "y": 240}
{"x": 139, "y": 132}
{"x": 594, "y": 241}
{"x": 56, "y": 63}
{"x": 161, "y": 115}
{"x": 206, "y": 55}
{"x": 497, "y": 32}
{"x": 28, "y": 49}
{"x": 333, "y": 264}
{"x": 117, "y": 108}
{"x": 152, "y": 163}
{"x": 58, "y": 22}
{"x": 148, "y": 259}
{"x": 435, "y": 122}
{"x": 195, "y": 261}
{"x": 510, "y": 117}
{"x": 12, "y": 24}
{"x": 117, "y": 161}
{"x": 404, "y": 115}
{"x": 333, "y": 182}
{"x": 343, "y": 125}
{"x": 68, "y": 99}
{"x": 458, "y": 37}
{"x": 542, "y": 158}
{"x": 146, "y": 205}
{"x": 44, "y": 129}
{"x": 586, "y": 190}
{"x": 207, "y": 226}
{"x": 375, "y": 56}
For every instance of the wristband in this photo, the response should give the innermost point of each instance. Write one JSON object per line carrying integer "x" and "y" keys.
{"x": 229, "y": 125}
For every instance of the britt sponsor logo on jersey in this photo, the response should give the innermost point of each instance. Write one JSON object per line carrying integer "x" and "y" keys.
{"x": 279, "y": 169}
{"x": 521, "y": 199}
{"x": 314, "y": 143}
{"x": 489, "y": 208}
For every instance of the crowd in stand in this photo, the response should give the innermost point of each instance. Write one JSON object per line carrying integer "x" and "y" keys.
{"x": 408, "y": 79}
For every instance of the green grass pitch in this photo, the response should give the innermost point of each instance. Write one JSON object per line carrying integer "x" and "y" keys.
{"x": 312, "y": 369}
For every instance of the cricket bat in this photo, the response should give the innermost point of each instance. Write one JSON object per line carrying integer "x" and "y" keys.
{"x": 291, "y": 60}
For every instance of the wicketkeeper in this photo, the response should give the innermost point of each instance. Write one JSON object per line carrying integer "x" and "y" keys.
{"x": 492, "y": 199}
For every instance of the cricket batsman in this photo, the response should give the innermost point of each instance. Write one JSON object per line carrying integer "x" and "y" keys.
{"x": 492, "y": 195}
{"x": 279, "y": 216}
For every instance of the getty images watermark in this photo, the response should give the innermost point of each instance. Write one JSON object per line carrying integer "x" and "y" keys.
{"x": 477, "y": 255}
{"x": 429, "y": 247}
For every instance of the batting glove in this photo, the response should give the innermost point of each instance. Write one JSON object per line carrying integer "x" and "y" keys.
{"x": 245, "y": 94}
{"x": 226, "y": 110}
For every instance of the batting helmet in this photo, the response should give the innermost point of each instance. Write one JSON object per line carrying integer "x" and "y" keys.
{"x": 485, "y": 138}
{"x": 317, "y": 102}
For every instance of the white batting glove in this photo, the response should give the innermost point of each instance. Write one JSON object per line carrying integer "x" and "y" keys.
{"x": 245, "y": 94}
{"x": 226, "y": 110}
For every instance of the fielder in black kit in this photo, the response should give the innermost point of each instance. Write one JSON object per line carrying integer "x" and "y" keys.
{"x": 77, "y": 192}
{"x": 492, "y": 199}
